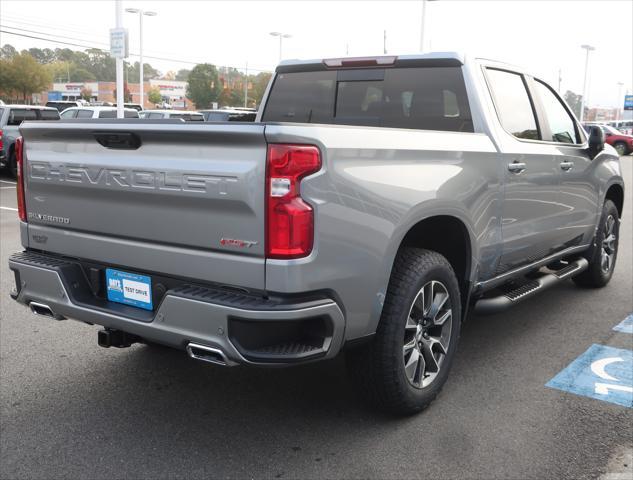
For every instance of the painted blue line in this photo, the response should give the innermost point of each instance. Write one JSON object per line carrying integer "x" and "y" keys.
{"x": 604, "y": 373}
{"x": 626, "y": 325}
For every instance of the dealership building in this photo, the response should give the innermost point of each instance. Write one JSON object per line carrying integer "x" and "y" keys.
{"x": 172, "y": 92}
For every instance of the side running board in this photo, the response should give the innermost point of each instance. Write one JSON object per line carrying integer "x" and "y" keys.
{"x": 496, "y": 304}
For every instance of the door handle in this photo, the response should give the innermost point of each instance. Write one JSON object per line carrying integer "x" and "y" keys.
{"x": 516, "y": 167}
{"x": 566, "y": 166}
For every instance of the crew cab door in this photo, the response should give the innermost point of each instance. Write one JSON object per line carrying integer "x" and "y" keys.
{"x": 578, "y": 194}
{"x": 531, "y": 212}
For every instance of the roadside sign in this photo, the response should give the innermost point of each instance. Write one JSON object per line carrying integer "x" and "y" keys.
{"x": 628, "y": 102}
{"x": 119, "y": 43}
{"x": 604, "y": 373}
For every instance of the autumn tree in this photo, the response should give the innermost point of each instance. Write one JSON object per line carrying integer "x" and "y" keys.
{"x": 154, "y": 95}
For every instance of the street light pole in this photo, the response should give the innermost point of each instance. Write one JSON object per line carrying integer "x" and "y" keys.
{"x": 281, "y": 37}
{"x": 119, "y": 63}
{"x": 619, "y": 101}
{"x": 141, "y": 14}
{"x": 423, "y": 25}
{"x": 583, "y": 101}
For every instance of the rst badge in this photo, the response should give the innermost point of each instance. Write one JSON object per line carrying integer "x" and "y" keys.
{"x": 236, "y": 242}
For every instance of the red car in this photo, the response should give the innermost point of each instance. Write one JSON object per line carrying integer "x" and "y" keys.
{"x": 618, "y": 140}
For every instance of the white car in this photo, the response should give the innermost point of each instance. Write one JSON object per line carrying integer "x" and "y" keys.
{"x": 96, "y": 112}
{"x": 164, "y": 114}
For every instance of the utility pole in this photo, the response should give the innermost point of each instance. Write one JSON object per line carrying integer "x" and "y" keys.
{"x": 583, "y": 101}
{"x": 246, "y": 86}
{"x": 119, "y": 63}
{"x": 384, "y": 42}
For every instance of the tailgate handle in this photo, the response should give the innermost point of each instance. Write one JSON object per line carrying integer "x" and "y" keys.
{"x": 118, "y": 140}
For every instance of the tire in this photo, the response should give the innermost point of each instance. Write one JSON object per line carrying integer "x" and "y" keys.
{"x": 603, "y": 253}
{"x": 378, "y": 368}
{"x": 621, "y": 148}
{"x": 12, "y": 165}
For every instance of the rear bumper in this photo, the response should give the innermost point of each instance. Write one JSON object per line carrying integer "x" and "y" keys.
{"x": 246, "y": 329}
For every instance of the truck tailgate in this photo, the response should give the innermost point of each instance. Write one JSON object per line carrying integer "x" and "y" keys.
{"x": 187, "y": 201}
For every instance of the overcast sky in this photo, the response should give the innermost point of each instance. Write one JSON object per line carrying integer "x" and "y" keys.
{"x": 542, "y": 35}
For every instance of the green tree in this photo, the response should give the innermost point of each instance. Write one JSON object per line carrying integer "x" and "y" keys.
{"x": 26, "y": 76}
{"x": 182, "y": 75}
{"x": 574, "y": 101}
{"x": 204, "y": 86}
{"x": 154, "y": 95}
{"x": 7, "y": 52}
{"x": 133, "y": 73}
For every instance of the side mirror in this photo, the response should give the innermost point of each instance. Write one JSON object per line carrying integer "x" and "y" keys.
{"x": 596, "y": 141}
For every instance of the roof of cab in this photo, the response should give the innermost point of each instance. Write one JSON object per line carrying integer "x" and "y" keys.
{"x": 427, "y": 59}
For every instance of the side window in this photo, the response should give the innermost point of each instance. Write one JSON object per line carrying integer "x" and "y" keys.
{"x": 49, "y": 115}
{"x": 513, "y": 104}
{"x": 84, "y": 114}
{"x": 16, "y": 117}
{"x": 69, "y": 114}
{"x": 107, "y": 114}
{"x": 561, "y": 125}
{"x": 154, "y": 115}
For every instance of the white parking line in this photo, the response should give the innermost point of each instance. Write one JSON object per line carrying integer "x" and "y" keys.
{"x": 5, "y": 188}
{"x": 9, "y": 208}
{"x": 4, "y": 181}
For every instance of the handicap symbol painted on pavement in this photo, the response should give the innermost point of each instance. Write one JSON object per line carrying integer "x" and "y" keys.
{"x": 626, "y": 325}
{"x": 604, "y": 373}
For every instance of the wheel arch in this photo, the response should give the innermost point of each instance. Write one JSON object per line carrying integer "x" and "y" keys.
{"x": 615, "y": 193}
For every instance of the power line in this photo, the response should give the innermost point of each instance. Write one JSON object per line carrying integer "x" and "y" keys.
{"x": 99, "y": 48}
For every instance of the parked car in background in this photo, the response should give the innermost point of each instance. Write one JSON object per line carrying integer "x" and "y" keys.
{"x": 165, "y": 114}
{"x": 97, "y": 112}
{"x": 134, "y": 106}
{"x": 62, "y": 105}
{"x": 224, "y": 115}
{"x": 622, "y": 143}
{"x": 11, "y": 116}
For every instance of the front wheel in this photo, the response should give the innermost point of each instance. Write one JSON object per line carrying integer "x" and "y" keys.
{"x": 405, "y": 366}
{"x": 621, "y": 148}
{"x": 604, "y": 251}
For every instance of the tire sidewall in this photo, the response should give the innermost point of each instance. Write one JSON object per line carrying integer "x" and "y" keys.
{"x": 444, "y": 274}
{"x": 609, "y": 208}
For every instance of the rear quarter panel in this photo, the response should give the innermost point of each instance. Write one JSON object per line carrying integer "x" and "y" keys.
{"x": 367, "y": 198}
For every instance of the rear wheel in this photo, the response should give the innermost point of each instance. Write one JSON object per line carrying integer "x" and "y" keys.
{"x": 604, "y": 252}
{"x": 12, "y": 165}
{"x": 405, "y": 366}
{"x": 621, "y": 148}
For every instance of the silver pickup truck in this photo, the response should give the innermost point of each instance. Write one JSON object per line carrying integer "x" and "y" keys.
{"x": 372, "y": 204}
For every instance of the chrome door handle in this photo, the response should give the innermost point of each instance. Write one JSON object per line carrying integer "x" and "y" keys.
{"x": 566, "y": 166}
{"x": 516, "y": 167}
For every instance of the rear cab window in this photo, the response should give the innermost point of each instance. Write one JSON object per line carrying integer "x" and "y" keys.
{"x": 19, "y": 115}
{"x": 49, "y": 115}
{"x": 424, "y": 98}
{"x": 513, "y": 104}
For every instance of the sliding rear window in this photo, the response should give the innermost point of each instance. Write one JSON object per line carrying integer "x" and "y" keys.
{"x": 431, "y": 98}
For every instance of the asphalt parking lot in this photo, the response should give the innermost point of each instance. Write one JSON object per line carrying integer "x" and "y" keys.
{"x": 70, "y": 409}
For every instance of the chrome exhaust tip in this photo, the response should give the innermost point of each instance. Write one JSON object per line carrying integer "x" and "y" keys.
{"x": 207, "y": 354}
{"x": 41, "y": 309}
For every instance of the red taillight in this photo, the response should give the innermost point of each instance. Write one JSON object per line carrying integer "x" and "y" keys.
{"x": 19, "y": 158}
{"x": 1, "y": 141}
{"x": 290, "y": 220}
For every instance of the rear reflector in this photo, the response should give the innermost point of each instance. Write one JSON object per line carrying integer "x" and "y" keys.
{"x": 19, "y": 158}
{"x": 289, "y": 219}
{"x": 358, "y": 62}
